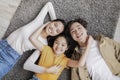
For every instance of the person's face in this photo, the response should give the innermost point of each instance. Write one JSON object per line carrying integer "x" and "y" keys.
{"x": 54, "y": 28}
{"x": 78, "y": 32}
{"x": 60, "y": 45}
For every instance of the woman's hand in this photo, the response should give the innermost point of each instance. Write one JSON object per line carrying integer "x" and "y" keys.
{"x": 54, "y": 69}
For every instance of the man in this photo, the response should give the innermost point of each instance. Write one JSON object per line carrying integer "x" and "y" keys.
{"x": 103, "y": 60}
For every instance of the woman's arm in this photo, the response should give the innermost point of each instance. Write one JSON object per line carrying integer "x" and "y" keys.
{"x": 31, "y": 66}
{"x": 48, "y": 8}
{"x": 30, "y": 63}
{"x": 38, "y": 21}
{"x": 81, "y": 62}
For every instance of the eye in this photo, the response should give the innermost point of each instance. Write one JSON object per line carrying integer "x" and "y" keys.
{"x": 73, "y": 31}
{"x": 56, "y": 42}
{"x": 79, "y": 27}
{"x": 55, "y": 24}
{"x": 58, "y": 31}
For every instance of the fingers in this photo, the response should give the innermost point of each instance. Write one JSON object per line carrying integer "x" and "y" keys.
{"x": 57, "y": 68}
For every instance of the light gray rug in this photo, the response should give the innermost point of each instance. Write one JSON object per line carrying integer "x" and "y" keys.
{"x": 101, "y": 15}
{"x": 7, "y": 10}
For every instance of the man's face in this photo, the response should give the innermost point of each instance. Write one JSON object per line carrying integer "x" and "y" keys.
{"x": 78, "y": 32}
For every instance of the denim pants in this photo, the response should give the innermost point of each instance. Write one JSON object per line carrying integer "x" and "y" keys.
{"x": 8, "y": 57}
{"x": 34, "y": 78}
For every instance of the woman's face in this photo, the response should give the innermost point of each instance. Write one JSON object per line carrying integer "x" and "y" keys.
{"x": 78, "y": 32}
{"x": 54, "y": 28}
{"x": 60, "y": 45}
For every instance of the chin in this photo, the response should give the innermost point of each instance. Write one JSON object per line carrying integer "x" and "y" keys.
{"x": 58, "y": 53}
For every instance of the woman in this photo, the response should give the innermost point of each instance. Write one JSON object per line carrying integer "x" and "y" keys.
{"x": 103, "y": 60}
{"x": 18, "y": 42}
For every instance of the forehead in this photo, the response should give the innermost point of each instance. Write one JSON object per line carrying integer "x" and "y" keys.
{"x": 58, "y": 22}
{"x": 61, "y": 39}
{"x": 75, "y": 25}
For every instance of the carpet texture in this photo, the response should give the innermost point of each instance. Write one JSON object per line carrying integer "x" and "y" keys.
{"x": 7, "y": 10}
{"x": 101, "y": 15}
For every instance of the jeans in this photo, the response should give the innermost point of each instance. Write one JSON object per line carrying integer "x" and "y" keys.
{"x": 8, "y": 57}
{"x": 34, "y": 78}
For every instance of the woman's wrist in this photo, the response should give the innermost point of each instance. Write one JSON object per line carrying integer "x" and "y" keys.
{"x": 45, "y": 70}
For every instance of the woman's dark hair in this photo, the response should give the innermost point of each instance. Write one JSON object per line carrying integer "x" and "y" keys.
{"x": 60, "y": 20}
{"x": 64, "y": 24}
{"x": 50, "y": 39}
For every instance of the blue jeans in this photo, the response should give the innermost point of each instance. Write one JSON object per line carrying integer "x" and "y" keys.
{"x": 34, "y": 78}
{"x": 8, "y": 57}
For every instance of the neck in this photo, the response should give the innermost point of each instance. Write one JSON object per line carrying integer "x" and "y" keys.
{"x": 84, "y": 43}
{"x": 44, "y": 34}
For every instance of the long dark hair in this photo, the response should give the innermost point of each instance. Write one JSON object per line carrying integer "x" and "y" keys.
{"x": 68, "y": 52}
{"x": 70, "y": 23}
{"x": 73, "y": 43}
{"x": 50, "y": 39}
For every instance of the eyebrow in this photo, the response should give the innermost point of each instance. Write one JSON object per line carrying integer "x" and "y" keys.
{"x": 76, "y": 26}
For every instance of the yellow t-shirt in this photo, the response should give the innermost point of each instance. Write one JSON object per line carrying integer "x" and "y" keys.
{"x": 48, "y": 59}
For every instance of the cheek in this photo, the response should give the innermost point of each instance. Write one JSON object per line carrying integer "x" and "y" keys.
{"x": 46, "y": 29}
{"x": 73, "y": 36}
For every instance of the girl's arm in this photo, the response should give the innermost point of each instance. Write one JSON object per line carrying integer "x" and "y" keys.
{"x": 81, "y": 61}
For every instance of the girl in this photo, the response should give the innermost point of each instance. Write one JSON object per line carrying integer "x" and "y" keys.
{"x": 52, "y": 60}
{"x": 18, "y": 42}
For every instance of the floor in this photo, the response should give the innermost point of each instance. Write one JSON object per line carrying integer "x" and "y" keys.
{"x": 7, "y": 10}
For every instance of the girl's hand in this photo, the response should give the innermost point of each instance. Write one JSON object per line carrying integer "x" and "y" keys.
{"x": 54, "y": 69}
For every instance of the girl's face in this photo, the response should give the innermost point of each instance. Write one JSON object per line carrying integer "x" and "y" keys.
{"x": 54, "y": 28}
{"x": 60, "y": 45}
{"x": 78, "y": 32}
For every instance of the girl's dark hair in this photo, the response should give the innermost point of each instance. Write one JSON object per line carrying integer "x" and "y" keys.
{"x": 52, "y": 39}
{"x": 68, "y": 52}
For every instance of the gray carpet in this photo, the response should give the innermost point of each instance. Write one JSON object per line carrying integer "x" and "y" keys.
{"x": 101, "y": 15}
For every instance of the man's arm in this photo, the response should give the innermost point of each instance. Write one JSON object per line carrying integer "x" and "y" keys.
{"x": 81, "y": 61}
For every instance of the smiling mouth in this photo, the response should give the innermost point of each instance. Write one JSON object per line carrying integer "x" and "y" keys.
{"x": 58, "y": 50}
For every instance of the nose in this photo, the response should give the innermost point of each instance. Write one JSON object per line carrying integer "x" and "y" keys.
{"x": 77, "y": 31}
{"x": 58, "y": 46}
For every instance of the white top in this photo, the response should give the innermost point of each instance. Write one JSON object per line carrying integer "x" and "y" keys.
{"x": 19, "y": 39}
{"x": 96, "y": 65}
{"x": 30, "y": 62}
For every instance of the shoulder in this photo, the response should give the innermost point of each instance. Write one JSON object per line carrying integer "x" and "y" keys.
{"x": 46, "y": 48}
{"x": 101, "y": 37}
